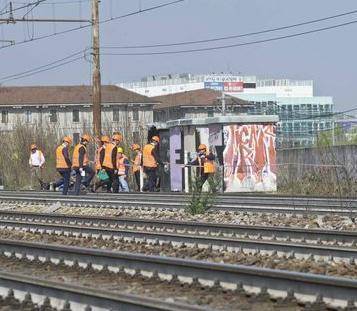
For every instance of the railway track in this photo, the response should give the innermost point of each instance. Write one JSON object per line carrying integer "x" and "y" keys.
{"x": 83, "y": 298}
{"x": 257, "y": 239}
{"x": 290, "y": 241}
{"x": 268, "y": 280}
{"x": 178, "y": 201}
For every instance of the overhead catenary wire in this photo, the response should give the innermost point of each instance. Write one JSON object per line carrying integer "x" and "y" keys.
{"x": 30, "y": 4}
{"x": 233, "y": 45}
{"x": 248, "y": 34}
{"x": 53, "y": 67}
{"x": 211, "y": 48}
{"x": 101, "y": 22}
{"x": 31, "y": 9}
{"x": 43, "y": 68}
{"x": 9, "y": 77}
{"x": 60, "y": 2}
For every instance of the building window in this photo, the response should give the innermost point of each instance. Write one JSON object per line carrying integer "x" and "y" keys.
{"x": 4, "y": 116}
{"x": 116, "y": 114}
{"x": 210, "y": 113}
{"x": 75, "y": 116}
{"x": 75, "y": 138}
{"x": 53, "y": 115}
{"x": 135, "y": 114}
{"x": 28, "y": 115}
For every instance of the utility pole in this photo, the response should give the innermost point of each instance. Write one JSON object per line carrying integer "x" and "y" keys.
{"x": 96, "y": 96}
{"x": 222, "y": 101}
{"x": 223, "y": 104}
{"x": 96, "y": 79}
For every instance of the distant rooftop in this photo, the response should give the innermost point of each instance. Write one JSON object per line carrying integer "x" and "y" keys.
{"x": 202, "y": 97}
{"x": 184, "y": 78}
{"x": 59, "y": 95}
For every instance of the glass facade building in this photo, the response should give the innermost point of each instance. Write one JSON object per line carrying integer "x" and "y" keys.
{"x": 301, "y": 118}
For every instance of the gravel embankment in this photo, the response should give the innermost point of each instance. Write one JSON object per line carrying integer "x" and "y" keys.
{"x": 325, "y": 267}
{"x": 215, "y": 298}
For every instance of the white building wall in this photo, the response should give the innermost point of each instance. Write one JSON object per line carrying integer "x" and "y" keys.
{"x": 65, "y": 124}
{"x": 152, "y": 91}
{"x": 279, "y": 87}
{"x": 282, "y": 91}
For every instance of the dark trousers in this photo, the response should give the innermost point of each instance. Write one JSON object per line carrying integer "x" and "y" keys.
{"x": 203, "y": 178}
{"x": 111, "y": 180}
{"x": 152, "y": 178}
{"x": 64, "y": 180}
{"x": 115, "y": 183}
{"x": 137, "y": 180}
{"x": 87, "y": 179}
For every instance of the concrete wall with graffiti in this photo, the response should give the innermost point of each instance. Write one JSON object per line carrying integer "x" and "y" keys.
{"x": 249, "y": 158}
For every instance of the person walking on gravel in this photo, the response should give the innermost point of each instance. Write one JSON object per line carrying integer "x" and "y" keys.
{"x": 80, "y": 164}
{"x": 108, "y": 159}
{"x": 64, "y": 164}
{"x": 123, "y": 170}
{"x": 137, "y": 164}
{"x": 151, "y": 161}
{"x": 36, "y": 162}
{"x": 205, "y": 162}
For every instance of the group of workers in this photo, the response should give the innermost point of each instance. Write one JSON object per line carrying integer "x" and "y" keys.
{"x": 111, "y": 164}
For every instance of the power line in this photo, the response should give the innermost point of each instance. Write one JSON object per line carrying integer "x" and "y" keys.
{"x": 33, "y": 70}
{"x": 47, "y": 69}
{"x": 159, "y": 6}
{"x": 235, "y": 36}
{"x": 101, "y": 22}
{"x": 61, "y": 2}
{"x": 4, "y": 8}
{"x": 31, "y": 9}
{"x": 233, "y": 45}
{"x": 30, "y": 4}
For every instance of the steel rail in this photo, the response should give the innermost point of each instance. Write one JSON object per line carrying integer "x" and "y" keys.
{"x": 224, "y": 198}
{"x": 198, "y": 228}
{"x": 302, "y": 283}
{"x": 130, "y": 203}
{"x": 221, "y": 198}
{"x": 253, "y": 195}
{"x": 93, "y": 297}
{"x": 209, "y": 241}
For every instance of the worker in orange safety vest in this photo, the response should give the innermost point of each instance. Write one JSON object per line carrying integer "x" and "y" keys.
{"x": 137, "y": 164}
{"x": 151, "y": 161}
{"x": 123, "y": 165}
{"x": 108, "y": 161}
{"x": 104, "y": 139}
{"x": 63, "y": 164}
{"x": 205, "y": 161}
{"x": 81, "y": 165}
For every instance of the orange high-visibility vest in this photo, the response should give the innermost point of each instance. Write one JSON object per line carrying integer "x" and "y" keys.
{"x": 60, "y": 160}
{"x": 121, "y": 165}
{"x": 75, "y": 159}
{"x": 148, "y": 159}
{"x": 209, "y": 166}
{"x": 137, "y": 162}
{"x": 107, "y": 162}
{"x": 98, "y": 166}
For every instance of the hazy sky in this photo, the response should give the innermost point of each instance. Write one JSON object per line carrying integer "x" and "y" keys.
{"x": 329, "y": 58}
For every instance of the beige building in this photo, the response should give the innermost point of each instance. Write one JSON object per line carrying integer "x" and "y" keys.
{"x": 68, "y": 109}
